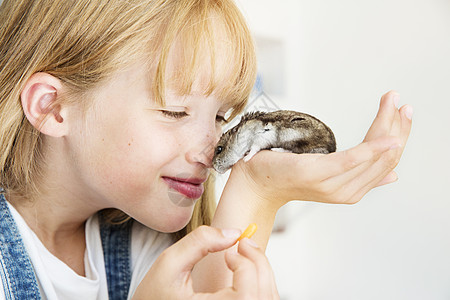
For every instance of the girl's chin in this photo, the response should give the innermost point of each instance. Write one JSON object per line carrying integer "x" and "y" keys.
{"x": 172, "y": 223}
{"x": 171, "y": 228}
{"x": 169, "y": 218}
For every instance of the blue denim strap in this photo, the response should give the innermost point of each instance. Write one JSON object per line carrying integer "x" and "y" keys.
{"x": 116, "y": 242}
{"x": 18, "y": 277}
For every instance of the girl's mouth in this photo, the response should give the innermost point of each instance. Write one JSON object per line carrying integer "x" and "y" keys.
{"x": 191, "y": 188}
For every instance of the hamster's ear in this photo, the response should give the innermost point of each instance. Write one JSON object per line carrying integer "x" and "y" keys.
{"x": 39, "y": 104}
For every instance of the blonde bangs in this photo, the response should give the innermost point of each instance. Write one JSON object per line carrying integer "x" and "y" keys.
{"x": 213, "y": 45}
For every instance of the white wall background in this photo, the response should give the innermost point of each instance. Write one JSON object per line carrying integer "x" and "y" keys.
{"x": 338, "y": 58}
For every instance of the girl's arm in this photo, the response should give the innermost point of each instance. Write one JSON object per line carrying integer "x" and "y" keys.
{"x": 257, "y": 189}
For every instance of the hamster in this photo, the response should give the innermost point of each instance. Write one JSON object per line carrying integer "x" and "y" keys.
{"x": 282, "y": 130}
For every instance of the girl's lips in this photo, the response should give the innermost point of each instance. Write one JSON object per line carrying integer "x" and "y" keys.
{"x": 188, "y": 189}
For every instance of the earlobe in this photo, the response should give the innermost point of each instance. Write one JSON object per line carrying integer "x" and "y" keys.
{"x": 39, "y": 103}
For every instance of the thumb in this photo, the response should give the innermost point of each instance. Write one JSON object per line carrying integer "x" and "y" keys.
{"x": 194, "y": 246}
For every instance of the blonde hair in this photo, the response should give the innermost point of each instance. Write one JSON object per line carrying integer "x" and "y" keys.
{"x": 83, "y": 42}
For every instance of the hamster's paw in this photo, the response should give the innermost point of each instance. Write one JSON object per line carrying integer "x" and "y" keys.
{"x": 250, "y": 154}
{"x": 280, "y": 150}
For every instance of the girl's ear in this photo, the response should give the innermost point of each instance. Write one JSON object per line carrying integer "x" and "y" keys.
{"x": 39, "y": 104}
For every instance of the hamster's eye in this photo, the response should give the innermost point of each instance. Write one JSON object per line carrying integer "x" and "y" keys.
{"x": 298, "y": 119}
{"x": 219, "y": 149}
{"x": 221, "y": 120}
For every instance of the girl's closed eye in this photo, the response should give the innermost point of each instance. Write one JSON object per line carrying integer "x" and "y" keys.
{"x": 174, "y": 114}
{"x": 181, "y": 114}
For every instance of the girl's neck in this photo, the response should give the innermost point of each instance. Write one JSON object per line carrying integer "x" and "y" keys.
{"x": 60, "y": 227}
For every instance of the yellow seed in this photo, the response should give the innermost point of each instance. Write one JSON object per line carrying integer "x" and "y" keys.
{"x": 248, "y": 233}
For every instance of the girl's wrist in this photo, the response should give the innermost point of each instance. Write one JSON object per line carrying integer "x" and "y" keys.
{"x": 262, "y": 194}
{"x": 241, "y": 204}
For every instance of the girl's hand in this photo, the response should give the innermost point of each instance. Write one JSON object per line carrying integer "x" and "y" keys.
{"x": 170, "y": 275}
{"x": 341, "y": 177}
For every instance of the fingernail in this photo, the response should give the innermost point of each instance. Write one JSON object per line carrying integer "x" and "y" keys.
{"x": 231, "y": 233}
{"x": 409, "y": 112}
{"x": 250, "y": 242}
{"x": 396, "y": 100}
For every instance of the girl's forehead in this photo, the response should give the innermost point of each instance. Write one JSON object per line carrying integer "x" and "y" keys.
{"x": 202, "y": 68}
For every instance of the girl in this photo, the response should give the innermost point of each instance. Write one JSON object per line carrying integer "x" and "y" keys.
{"x": 110, "y": 110}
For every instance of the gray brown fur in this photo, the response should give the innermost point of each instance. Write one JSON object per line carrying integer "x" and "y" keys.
{"x": 289, "y": 130}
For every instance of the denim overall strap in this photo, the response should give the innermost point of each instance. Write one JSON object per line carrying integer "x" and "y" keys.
{"x": 116, "y": 242}
{"x": 16, "y": 271}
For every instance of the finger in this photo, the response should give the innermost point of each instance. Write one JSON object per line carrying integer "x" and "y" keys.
{"x": 344, "y": 185}
{"x": 245, "y": 279}
{"x": 382, "y": 123}
{"x": 389, "y": 178}
{"x": 406, "y": 113}
{"x": 352, "y": 185}
{"x": 371, "y": 178}
{"x": 341, "y": 188}
{"x": 339, "y": 163}
{"x": 365, "y": 188}
{"x": 223, "y": 294}
{"x": 194, "y": 246}
{"x": 403, "y": 129}
{"x": 394, "y": 132}
{"x": 396, "y": 124}
{"x": 390, "y": 160}
{"x": 266, "y": 280}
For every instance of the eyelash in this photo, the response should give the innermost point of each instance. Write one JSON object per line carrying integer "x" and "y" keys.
{"x": 174, "y": 114}
{"x": 181, "y": 114}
